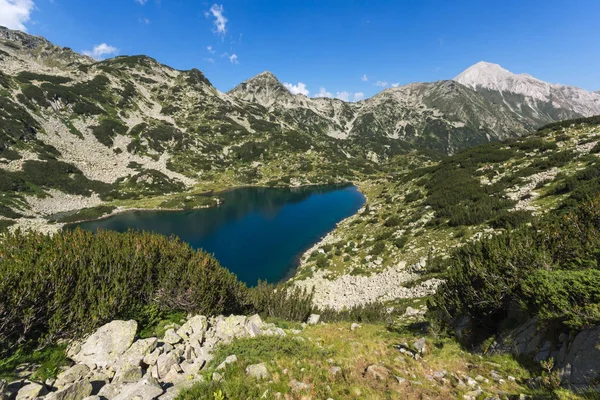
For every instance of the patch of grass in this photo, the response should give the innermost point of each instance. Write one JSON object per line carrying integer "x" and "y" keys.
{"x": 47, "y": 360}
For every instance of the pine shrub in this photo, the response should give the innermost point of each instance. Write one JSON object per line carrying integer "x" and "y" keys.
{"x": 74, "y": 281}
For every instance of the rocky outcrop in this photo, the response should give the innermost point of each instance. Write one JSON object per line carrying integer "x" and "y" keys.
{"x": 576, "y": 355}
{"x": 111, "y": 364}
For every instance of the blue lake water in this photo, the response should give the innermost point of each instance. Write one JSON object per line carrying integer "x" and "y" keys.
{"x": 258, "y": 233}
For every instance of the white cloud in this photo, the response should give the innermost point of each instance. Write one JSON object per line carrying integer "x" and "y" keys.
{"x": 381, "y": 84}
{"x": 300, "y": 88}
{"x": 143, "y": 20}
{"x": 323, "y": 93}
{"x": 101, "y": 51}
{"x": 345, "y": 96}
{"x": 220, "y": 20}
{"x": 396, "y": 84}
{"x": 233, "y": 59}
{"x": 210, "y": 49}
{"x": 14, "y": 14}
{"x": 364, "y": 78}
{"x": 141, "y": 2}
{"x": 210, "y": 60}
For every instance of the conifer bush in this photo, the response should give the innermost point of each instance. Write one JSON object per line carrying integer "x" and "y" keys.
{"x": 550, "y": 270}
{"x": 72, "y": 282}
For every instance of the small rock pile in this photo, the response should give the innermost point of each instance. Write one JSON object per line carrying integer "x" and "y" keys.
{"x": 111, "y": 364}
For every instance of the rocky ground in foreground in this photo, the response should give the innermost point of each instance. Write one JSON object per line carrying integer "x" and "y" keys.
{"x": 244, "y": 357}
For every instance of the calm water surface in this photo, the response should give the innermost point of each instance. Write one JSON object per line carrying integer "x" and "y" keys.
{"x": 258, "y": 233}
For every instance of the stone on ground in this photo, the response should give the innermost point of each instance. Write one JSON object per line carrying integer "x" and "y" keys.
{"x": 377, "y": 372}
{"x": 105, "y": 346}
{"x": 76, "y": 391}
{"x": 257, "y": 371}
{"x": 145, "y": 389}
{"x": 313, "y": 319}
{"x": 30, "y": 391}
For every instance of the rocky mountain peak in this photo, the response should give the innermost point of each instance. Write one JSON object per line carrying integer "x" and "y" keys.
{"x": 264, "y": 89}
{"x": 539, "y": 95}
{"x": 493, "y": 76}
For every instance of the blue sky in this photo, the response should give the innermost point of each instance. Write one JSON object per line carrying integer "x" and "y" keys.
{"x": 348, "y": 48}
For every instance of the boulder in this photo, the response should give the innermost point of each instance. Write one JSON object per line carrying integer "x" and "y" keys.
{"x": 231, "y": 327}
{"x": 191, "y": 369}
{"x": 152, "y": 358}
{"x": 128, "y": 374}
{"x": 75, "y": 391}
{"x": 138, "y": 351}
{"x": 31, "y": 391}
{"x": 229, "y": 360}
{"x": 174, "y": 375}
{"x": 110, "y": 391}
{"x": 582, "y": 362}
{"x": 377, "y": 372}
{"x": 420, "y": 345}
{"x": 171, "y": 337}
{"x": 71, "y": 375}
{"x": 145, "y": 389}
{"x": 257, "y": 371}
{"x": 355, "y": 326}
{"x": 313, "y": 319}
{"x": 105, "y": 346}
{"x": 193, "y": 327}
{"x": 164, "y": 363}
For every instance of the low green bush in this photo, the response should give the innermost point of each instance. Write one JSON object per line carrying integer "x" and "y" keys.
{"x": 74, "y": 281}
{"x": 289, "y": 303}
{"x": 550, "y": 269}
{"x": 568, "y": 297}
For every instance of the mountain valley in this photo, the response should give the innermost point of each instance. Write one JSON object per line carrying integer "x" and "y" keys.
{"x": 471, "y": 271}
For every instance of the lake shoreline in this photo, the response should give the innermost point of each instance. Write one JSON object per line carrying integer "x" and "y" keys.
{"x": 313, "y": 211}
{"x": 122, "y": 210}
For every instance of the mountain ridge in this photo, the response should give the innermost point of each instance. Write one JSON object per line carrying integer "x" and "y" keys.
{"x": 131, "y": 129}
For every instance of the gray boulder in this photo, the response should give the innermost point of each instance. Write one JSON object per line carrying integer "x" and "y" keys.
{"x": 171, "y": 337}
{"x": 257, "y": 371}
{"x": 128, "y": 374}
{"x": 76, "y": 373}
{"x": 145, "y": 389}
{"x": 76, "y": 391}
{"x": 420, "y": 345}
{"x": 138, "y": 350}
{"x": 105, "y": 346}
{"x": 152, "y": 358}
{"x": 193, "y": 327}
{"x": 164, "y": 363}
{"x": 581, "y": 365}
{"x": 377, "y": 372}
{"x": 313, "y": 319}
{"x": 110, "y": 391}
{"x": 229, "y": 360}
{"x": 31, "y": 391}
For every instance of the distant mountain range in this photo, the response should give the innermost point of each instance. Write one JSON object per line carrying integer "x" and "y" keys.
{"x": 141, "y": 128}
